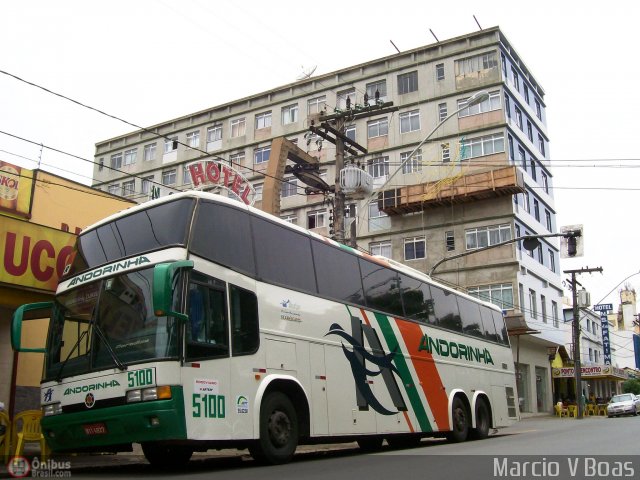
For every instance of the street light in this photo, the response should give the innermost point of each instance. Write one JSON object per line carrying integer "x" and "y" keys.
{"x": 474, "y": 99}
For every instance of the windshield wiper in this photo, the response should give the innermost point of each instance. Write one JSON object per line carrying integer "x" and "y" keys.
{"x": 113, "y": 355}
{"x": 59, "y": 376}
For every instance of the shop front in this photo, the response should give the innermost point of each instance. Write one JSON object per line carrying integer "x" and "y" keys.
{"x": 599, "y": 383}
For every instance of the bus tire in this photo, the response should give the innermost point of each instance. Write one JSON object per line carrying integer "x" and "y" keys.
{"x": 279, "y": 430}
{"x": 483, "y": 421}
{"x": 460, "y": 422}
{"x": 370, "y": 444}
{"x": 166, "y": 456}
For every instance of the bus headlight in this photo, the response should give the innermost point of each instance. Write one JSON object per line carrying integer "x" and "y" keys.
{"x": 152, "y": 393}
{"x": 52, "y": 409}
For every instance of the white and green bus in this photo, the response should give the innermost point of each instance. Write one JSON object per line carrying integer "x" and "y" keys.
{"x": 195, "y": 322}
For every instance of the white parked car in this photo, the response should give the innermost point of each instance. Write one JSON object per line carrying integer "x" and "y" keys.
{"x": 623, "y": 404}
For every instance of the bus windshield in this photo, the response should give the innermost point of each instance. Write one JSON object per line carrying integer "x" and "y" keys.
{"x": 107, "y": 324}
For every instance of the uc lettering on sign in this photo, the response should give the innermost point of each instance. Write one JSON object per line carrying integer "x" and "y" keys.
{"x": 33, "y": 255}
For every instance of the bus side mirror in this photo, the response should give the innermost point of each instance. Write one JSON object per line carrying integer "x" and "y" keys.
{"x": 164, "y": 279}
{"x": 16, "y": 325}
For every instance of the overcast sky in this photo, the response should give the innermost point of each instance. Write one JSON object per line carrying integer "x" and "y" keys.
{"x": 147, "y": 61}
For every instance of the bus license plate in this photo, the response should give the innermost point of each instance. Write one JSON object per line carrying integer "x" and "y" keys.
{"x": 95, "y": 429}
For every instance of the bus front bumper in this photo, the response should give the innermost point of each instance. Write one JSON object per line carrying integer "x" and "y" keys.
{"x": 97, "y": 430}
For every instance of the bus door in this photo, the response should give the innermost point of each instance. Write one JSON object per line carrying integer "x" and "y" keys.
{"x": 206, "y": 373}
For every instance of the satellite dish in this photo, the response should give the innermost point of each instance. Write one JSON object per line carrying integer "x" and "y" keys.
{"x": 306, "y": 73}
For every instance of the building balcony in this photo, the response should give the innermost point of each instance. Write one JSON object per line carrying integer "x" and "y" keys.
{"x": 466, "y": 188}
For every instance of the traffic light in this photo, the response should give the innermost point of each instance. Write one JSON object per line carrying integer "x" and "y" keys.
{"x": 571, "y": 241}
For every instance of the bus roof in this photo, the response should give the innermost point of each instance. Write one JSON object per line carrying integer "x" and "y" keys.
{"x": 387, "y": 262}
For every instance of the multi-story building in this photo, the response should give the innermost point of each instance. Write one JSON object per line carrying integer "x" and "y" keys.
{"x": 483, "y": 176}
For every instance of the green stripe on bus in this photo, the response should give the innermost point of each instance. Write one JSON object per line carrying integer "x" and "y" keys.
{"x": 407, "y": 380}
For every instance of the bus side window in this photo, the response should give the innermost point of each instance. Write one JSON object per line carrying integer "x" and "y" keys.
{"x": 245, "y": 333}
{"x": 207, "y": 332}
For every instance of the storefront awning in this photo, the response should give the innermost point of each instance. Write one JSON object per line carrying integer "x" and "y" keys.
{"x": 591, "y": 372}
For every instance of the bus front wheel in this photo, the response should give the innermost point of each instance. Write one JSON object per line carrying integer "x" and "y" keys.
{"x": 460, "y": 421}
{"x": 278, "y": 430}
{"x": 166, "y": 456}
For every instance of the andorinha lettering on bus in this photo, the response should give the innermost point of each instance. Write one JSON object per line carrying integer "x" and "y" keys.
{"x": 113, "y": 268}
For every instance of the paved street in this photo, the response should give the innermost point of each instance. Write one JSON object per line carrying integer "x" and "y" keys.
{"x": 548, "y": 440}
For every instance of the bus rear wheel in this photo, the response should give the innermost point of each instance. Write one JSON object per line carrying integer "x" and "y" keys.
{"x": 460, "y": 422}
{"x": 483, "y": 421}
{"x": 166, "y": 456}
{"x": 278, "y": 430}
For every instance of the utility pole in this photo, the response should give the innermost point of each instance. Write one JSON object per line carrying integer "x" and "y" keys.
{"x": 332, "y": 128}
{"x": 577, "y": 364}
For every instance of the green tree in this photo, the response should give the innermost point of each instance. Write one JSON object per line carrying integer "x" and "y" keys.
{"x": 631, "y": 386}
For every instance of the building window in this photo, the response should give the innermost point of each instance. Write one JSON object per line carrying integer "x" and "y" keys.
{"x": 479, "y": 146}
{"x": 345, "y": 95}
{"x": 532, "y": 163}
{"x": 552, "y": 261}
{"x": 378, "y": 128}
{"x": 378, "y": 220}
{"x": 543, "y": 307}
{"x": 476, "y": 63}
{"x": 289, "y": 187}
{"x": 128, "y": 188}
{"x": 525, "y": 203}
{"x": 507, "y": 106}
{"x": 554, "y": 314}
{"x": 547, "y": 215}
{"x": 170, "y": 144}
{"x": 290, "y": 114}
{"x": 414, "y": 248}
{"x": 526, "y": 92}
{"x": 379, "y": 89}
{"x": 258, "y": 187}
{"x": 236, "y": 159}
{"x": 541, "y": 144}
{"x": 408, "y": 82}
{"x": 317, "y": 104}
{"x": 149, "y": 152}
{"x": 519, "y": 119}
{"x": 485, "y": 236}
{"x": 516, "y": 79}
{"x": 263, "y": 120}
{"x": 440, "y": 71}
{"x": 504, "y": 65}
{"x": 261, "y": 155}
{"x": 101, "y": 164}
{"x": 382, "y": 249}
{"x": 238, "y": 127}
{"x": 214, "y": 133}
{"x": 116, "y": 160}
{"x": 510, "y": 141}
{"x": 146, "y": 184}
{"x": 500, "y": 294}
{"x": 316, "y": 219}
{"x": 450, "y": 241}
{"x": 491, "y": 103}
{"x": 414, "y": 165}
{"x": 536, "y": 209}
{"x": 378, "y": 167}
{"x": 114, "y": 189}
{"x": 410, "y": 121}
{"x": 169, "y": 177}
{"x": 193, "y": 139}
{"x": 445, "y": 153}
{"x": 186, "y": 175}
{"x": 290, "y": 219}
{"x": 130, "y": 156}
{"x": 533, "y": 303}
{"x": 350, "y": 132}
{"x": 442, "y": 111}
{"x": 545, "y": 182}
{"x": 538, "y": 109}
{"x": 529, "y": 131}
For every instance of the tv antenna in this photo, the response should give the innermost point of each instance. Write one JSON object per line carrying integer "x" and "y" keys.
{"x": 306, "y": 73}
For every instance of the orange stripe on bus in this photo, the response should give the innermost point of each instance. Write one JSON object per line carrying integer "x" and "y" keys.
{"x": 364, "y": 315}
{"x": 406, "y": 417}
{"x": 428, "y": 375}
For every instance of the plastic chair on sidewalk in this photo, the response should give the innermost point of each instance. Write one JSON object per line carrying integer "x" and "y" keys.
{"x": 26, "y": 428}
{"x": 573, "y": 411}
{"x": 561, "y": 410}
{"x": 591, "y": 409}
{"x": 5, "y": 437}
